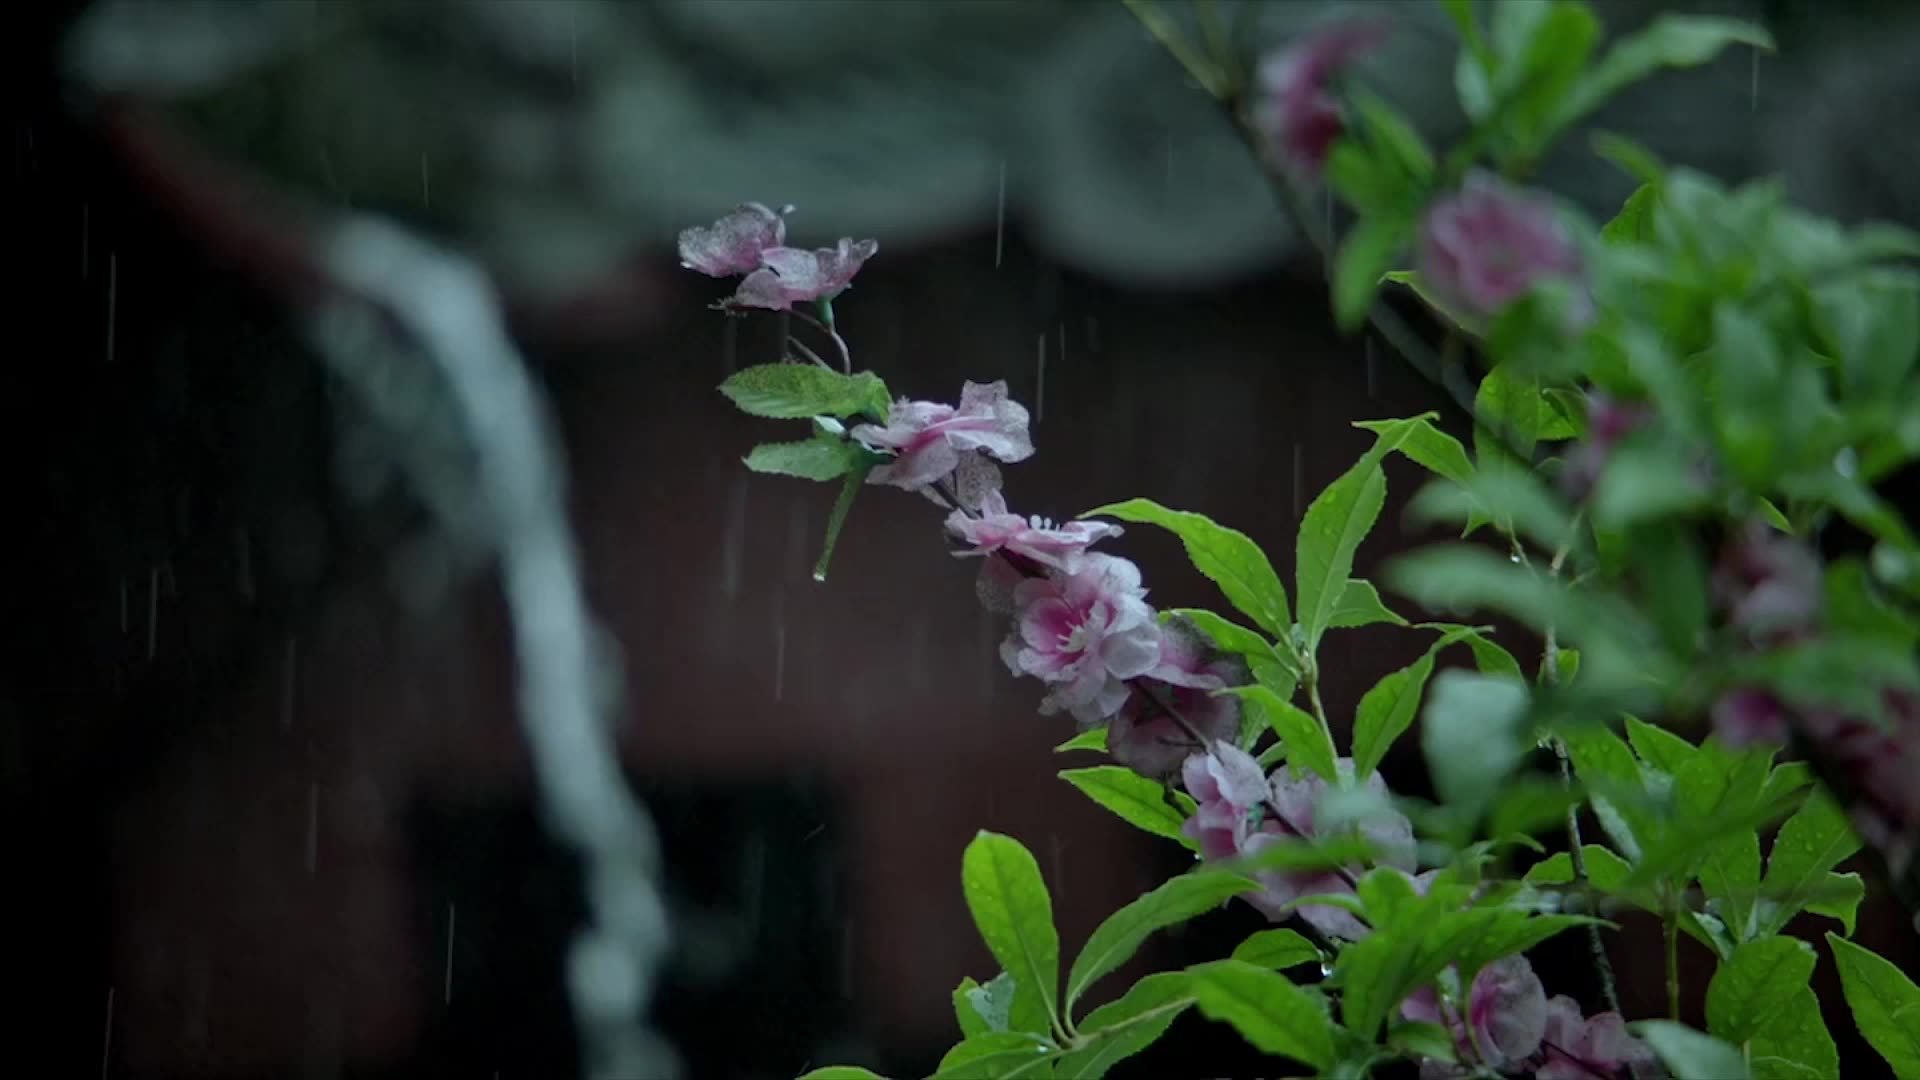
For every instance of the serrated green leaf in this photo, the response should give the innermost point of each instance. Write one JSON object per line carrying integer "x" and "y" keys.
{"x": 1306, "y": 741}
{"x": 1176, "y": 901}
{"x": 1122, "y": 1028}
{"x": 1528, "y": 806}
{"x": 1555, "y": 869}
{"x": 1884, "y": 1002}
{"x": 1014, "y": 914}
{"x": 1670, "y": 41}
{"x": 1808, "y": 846}
{"x": 1338, "y": 519}
{"x": 1467, "y": 322}
{"x": 798, "y": 391}
{"x": 1839, "y": 898}
{"x": 1659, "y": 747}
{"x": 1634, "y": 223}
{"x": 1690, "y": 1054}
{"x": 1797, "y": 1045}
{"x": 1386, "y": 711}
{"x": 1267, "y": 1010}
{"x": 1136, "y": 800}
{"x": 1755, "y": 985}
{"x": 820, "y": 458}
{"x": 1227, "y": 557}
{"x": 1360, "y": 606}
{"x": 1090, "y": 739}
{"x": 1276, "y": 949}
{"x": 1872, "y": 324}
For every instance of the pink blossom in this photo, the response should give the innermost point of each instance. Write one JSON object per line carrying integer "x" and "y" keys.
{"x": 1296, "y": 112}
{"x": 1057, "y": 546}
{"x": 1484, "y": 246}
{"x": 1745, "y": 716}
{"x": 1143, "y": 737}
{"x": 1506, "y": 1014}
{"x": 1226, "y": 783}
{"x": 1293, "y": 804}
{"x": 928, "y": 438}
{"x": 733, "y": 245}
{"x": 1769, "y": 584}
{"x": 1584, "y": 1049}
{"x": 788, "y": 276}
{"x": 1085, "y": 634}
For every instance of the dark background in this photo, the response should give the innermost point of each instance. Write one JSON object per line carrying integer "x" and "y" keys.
{"x": 269, "y": 816}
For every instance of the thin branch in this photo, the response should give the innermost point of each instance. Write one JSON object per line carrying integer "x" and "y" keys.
{"x": 839, "y": 343}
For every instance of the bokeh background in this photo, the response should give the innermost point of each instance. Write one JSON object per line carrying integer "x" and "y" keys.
{"x": 268, "y": 810}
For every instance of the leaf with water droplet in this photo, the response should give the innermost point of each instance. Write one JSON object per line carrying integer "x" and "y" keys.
{"x": 799, "y": 391}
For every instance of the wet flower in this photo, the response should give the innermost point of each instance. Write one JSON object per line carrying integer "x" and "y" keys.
{"x": 1573, "y": 1048}
{"x": 733, "y": 245}
{"x": 1768, "y": 583}
{"x": 788, "y": 276}
{"x": 1745, "y": 716}
{"x": 1609, "y": 422}
{"x": 1226, "y": 783}
{"x": 1504, "y": 1020}
{"x": 1296, "y": 112}
{"x": 996, "y": 529}
{"x": 928, "y": 438}
{"x": 1484, "y": 246}
{"x": 1143, "y": 737}
{"x": 1085, "y": 634}
{"x": 1294, "y": 804}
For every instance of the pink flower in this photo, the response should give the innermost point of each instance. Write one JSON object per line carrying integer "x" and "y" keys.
{"x": 1057, "y": 546}
{"x": 788, "y": 276}
{"x": 1577, "y": 1049}
{"x": 1506, "y": 1015}
{"x": 1769, "y": 584}
{"x": 733, "y": 245}
{"x": 1226, "y": 783}
{"x": 1143, "y": 737}
{"x": 1085, "y": 634}
{"x": 1296, "y": 113}
{"x": 1293, "y": 807}
{"x": 928, "y": 438}
{"x": 1745, "y": 716}
{"x": 1484, "y": 246}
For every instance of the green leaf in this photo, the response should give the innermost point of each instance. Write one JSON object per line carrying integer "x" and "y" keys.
{"x": 1011, "y": 908}
{"x": 1671, "y": 40}
{"x": 1231, "y": 637}
{"x": 1136, "y": 800}
{"x": 1885, "y": 1004}
{"x": 1090, "y": 739}
{"x": 984, "y": 1008}
{"x": 1176, "y": 901}
{"x": 1633, "y": 159}
{"x": 1809, "y": 845}
{"x": 1366, "y": 253}
{"x": 1338, "y": 519}
{"x": 1659, "y": 747}
{"x": 1472, "y": 733}
{"x": 1276, "y": 949}
{"x": 1423, "y": 444}
{"x": 1529, "y": 806}
{"x": 1872, "y": 324}
{"x": 1360, "y": 606}
{"x": 1394, "y": 141}
{"x": 1840, "y": 898}
{"x": 1227, "y": 557}
{"x": 1512, "y": 498}
{"x": 1634, "y": 223}
{"x": 1466, "y": 321}
{"x": 1306, "y": 741}
{"x": 1754, "y": 986}
{"x": 820, "y": 458}
{"x": 1796, "y": 1046}
{"x": 1644, "y": 483}
{"x": 1555, "y": 869}
{"x": 1692, "y": 1055}
{"x": 842, "y": 1072}
{"x": 798, "y": 391}
{"x": 991, "y": 1056}
{"x": 1386, "y": 712}
{"x": 1267, "y": 1010}
{"x": 1515, "y": 404}
{"x": 1120, "y": 1029}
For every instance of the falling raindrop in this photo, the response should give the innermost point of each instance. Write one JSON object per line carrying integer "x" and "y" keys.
{"x": 313, "y": 827}
{"x": 1298, "y": 481}
{"x": 106, "y": 1043}
{"x": 733, "y": 543}
{"x": 1326, "y": 971}
{"x": 1000, "y": 217}
{"x": 447, "y": 994}
{"x": 1514, "y": 558}
{"x": 113, "y": 298}
{"x": 1040, "y": 384}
